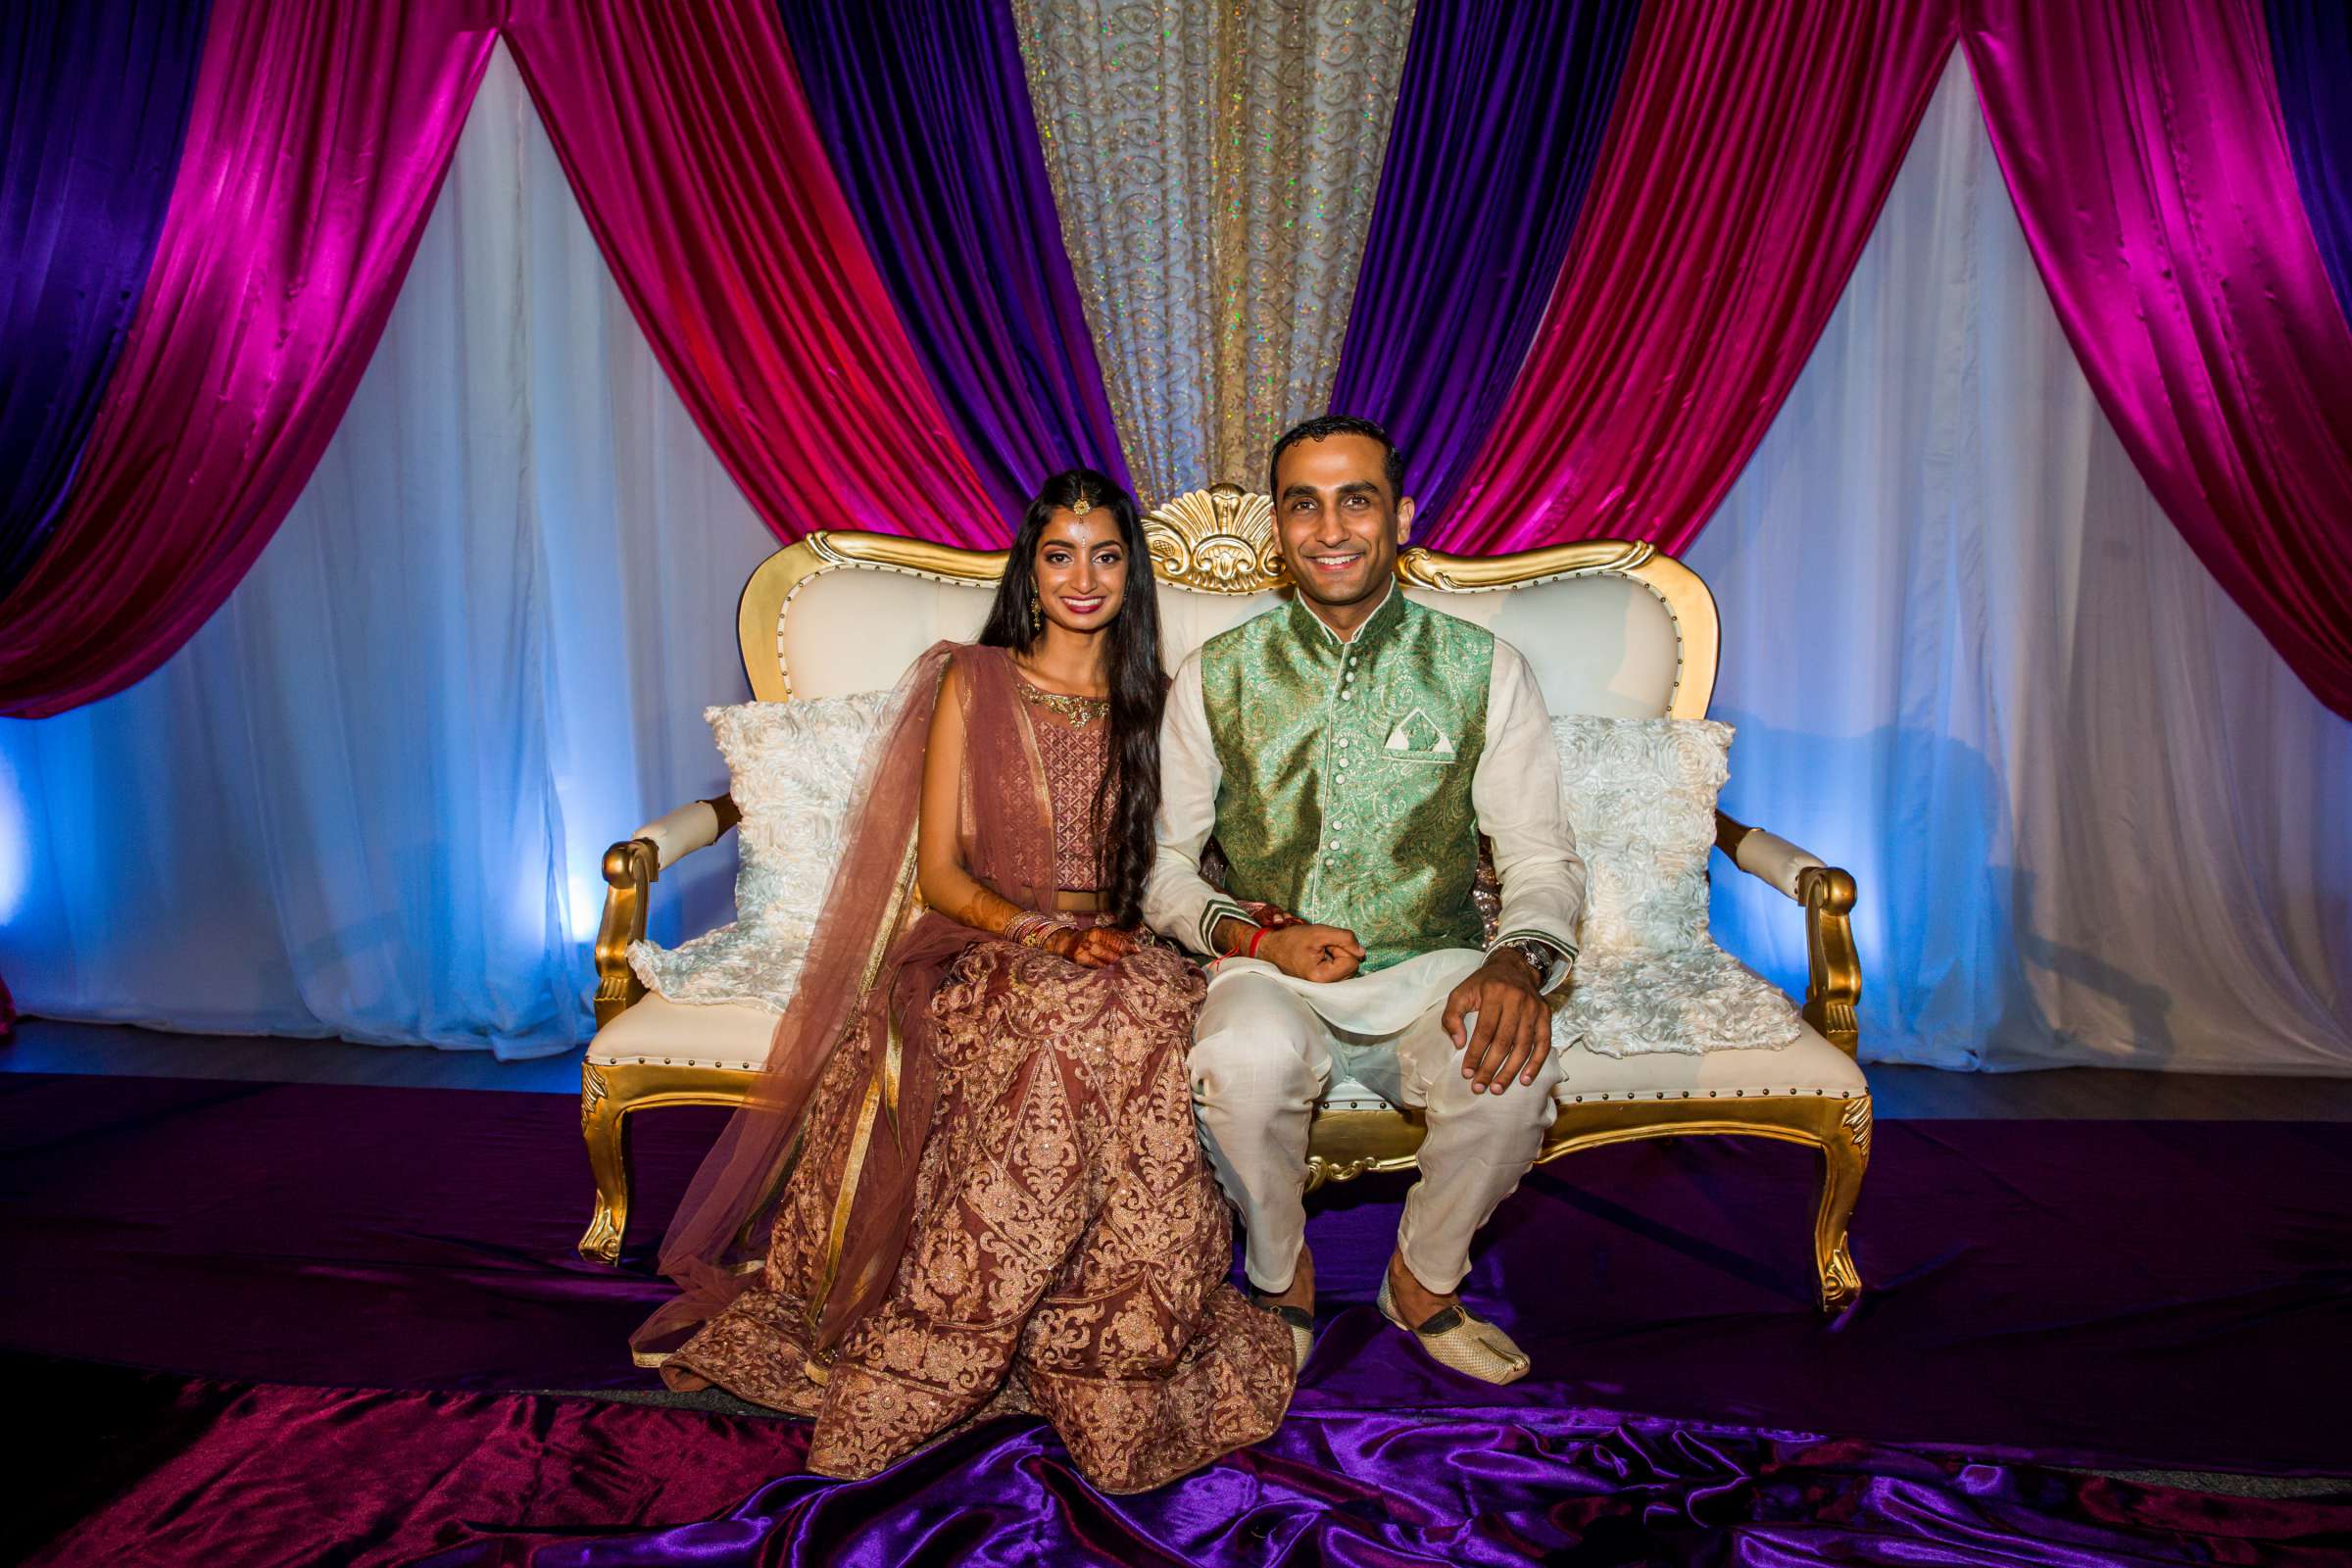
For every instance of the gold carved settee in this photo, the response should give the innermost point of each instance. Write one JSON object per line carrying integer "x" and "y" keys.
{"x": 1613, "y": 629}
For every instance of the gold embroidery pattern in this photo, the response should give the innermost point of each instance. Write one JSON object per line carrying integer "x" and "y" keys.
{"x": 1074, "y": 756}
{"x": 1079, "y": 710}
{"x": 1068, "y": 1253}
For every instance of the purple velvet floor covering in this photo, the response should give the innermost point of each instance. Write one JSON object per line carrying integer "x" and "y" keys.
{"x": 2159, "y": 1293}
{"x": 2121, "y": 1293}
{"x": 143, "y": 1467}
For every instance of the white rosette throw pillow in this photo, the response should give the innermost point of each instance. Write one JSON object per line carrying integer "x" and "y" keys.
{"x": 793, "y": 768}
{"x": 1640, "y": 796}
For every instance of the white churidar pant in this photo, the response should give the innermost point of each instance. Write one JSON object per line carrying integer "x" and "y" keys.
{"x": 1264, "y": 1051}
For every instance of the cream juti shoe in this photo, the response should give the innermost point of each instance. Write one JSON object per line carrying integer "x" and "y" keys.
{"x": 1455, "y": 1337}
{"x": 1301, "y": 1324}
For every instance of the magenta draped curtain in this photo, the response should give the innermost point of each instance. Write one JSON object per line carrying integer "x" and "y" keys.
{"x": 690, "y": 147}
{"x": 2146, "y": 155}
{"x": 314, "y": 147}
{"x": 1751, "y": 148}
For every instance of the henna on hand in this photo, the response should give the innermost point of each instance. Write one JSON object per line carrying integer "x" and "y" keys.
{"x": 1100, "y": 947}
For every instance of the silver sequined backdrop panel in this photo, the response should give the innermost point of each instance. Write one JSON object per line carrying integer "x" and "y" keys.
{"x": 1215, "y": 169}
{"x": 1123, "y": 97}
{"x": 1316, "y": 91}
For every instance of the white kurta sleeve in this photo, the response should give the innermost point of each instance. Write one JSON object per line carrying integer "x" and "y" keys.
{"x": 1516, "y": 792}
{"x": 1178, "y": 902}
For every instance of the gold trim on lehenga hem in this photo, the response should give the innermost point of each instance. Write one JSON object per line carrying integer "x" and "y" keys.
{"x": 1068, "y": 1250}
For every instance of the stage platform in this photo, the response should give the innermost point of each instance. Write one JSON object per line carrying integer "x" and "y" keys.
{"x": 1899, "y": 1092}
{"x": 354, "y": 1308}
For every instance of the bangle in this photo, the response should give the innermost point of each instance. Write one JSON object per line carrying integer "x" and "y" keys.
{"x": 1034, "y": 928}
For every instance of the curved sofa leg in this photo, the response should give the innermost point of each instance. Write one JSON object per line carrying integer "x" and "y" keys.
{"x": 602, "y": 1126}
{"x": 1844, "y": 1157}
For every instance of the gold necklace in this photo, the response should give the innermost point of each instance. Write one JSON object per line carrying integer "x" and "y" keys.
{"x": 1079, "y": 710}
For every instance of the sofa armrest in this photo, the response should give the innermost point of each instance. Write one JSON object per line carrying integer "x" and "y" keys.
{"x": 1773, "y": 859}
{"x": 1834, "y": 982}
{"x": 631, "y": 867}
{"x": 689, "y": 828}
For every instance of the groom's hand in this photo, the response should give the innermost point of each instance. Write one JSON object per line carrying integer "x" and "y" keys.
{"x": 1312, "y": 951}
{"x": 1514, "y": 1027}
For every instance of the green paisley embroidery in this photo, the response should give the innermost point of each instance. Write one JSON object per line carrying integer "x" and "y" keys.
{"x": 1348, "y": 770}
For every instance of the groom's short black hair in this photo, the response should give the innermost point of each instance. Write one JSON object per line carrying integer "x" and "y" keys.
{"x": 1331, "y": 424}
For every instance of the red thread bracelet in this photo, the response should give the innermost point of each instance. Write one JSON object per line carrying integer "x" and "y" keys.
{"x": 1255, "y": 937}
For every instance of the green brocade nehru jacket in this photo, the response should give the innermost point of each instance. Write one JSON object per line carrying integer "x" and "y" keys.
{"x": 1348, "y": 767}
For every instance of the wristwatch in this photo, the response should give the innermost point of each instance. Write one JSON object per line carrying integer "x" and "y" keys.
{"x": 1540, "y": 957}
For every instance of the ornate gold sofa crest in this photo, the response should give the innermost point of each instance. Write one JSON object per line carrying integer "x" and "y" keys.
{"x": 1220, "y": 541}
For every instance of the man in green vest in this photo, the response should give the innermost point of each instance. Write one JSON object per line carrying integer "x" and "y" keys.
{"x": 1348, "y": 750}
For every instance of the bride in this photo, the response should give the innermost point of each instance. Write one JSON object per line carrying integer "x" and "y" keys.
{"x": 967, "y": 1181}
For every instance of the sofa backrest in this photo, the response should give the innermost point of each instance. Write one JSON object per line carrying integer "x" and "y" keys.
{"x": 1612, "y": 629}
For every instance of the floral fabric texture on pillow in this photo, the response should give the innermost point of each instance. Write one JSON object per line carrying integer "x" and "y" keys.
{"x": 792, "y": 768}
{"x": 1641, "y": 795}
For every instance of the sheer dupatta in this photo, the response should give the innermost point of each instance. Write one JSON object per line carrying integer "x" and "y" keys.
{"x": 872, "y": 966}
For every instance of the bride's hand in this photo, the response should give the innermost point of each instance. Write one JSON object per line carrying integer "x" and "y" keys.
{"x": 1099, "y": 947}
{"x": 1271, "y": 915}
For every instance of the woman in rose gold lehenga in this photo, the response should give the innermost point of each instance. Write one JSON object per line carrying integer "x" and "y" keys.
{"x": 992, "y": 1197}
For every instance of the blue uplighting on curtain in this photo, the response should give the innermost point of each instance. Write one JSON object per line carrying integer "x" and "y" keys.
{"x": 2093, "y": 816}
{"x": 2311, "y": 47}
{"x": 1498, "y": 121}
{"x": 368, "y": 798}
{"x": 924, "y": 106}
{"x": 95, "y": 99}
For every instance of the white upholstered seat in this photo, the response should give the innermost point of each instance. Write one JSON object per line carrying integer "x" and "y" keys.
{"x": 733, "y": 1036}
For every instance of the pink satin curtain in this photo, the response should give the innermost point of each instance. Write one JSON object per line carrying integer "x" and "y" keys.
{"x": 687, "y": 138}
{"x": 2146, "y": 155}
{"x": 317, "y": 143}
{"x": 1751, "y": 148}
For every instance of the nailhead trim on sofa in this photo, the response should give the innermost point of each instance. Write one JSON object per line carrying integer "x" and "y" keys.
{"x": 1631, "y": 1094}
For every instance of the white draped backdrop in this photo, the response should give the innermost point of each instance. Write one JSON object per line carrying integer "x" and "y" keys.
{"x": 2093, "y": 817}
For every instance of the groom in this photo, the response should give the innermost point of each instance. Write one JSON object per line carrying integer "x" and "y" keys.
{"x": 1347, "y": 751}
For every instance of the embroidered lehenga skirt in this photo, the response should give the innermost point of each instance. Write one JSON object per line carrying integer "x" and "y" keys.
{"x": 1067, "y": 1253}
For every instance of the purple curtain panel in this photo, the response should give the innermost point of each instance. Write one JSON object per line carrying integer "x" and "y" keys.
{"x": 924, "y": 108}
{"x": 2311, "y": 48}
{"x": 1499, "y": 119}
{"x": 691, "y": 148}
{"x": 2146, "y": 151}
{"x": 94, "y": 98}
{"x": 317, "y": 141}
{"x": 1750, "y": 151}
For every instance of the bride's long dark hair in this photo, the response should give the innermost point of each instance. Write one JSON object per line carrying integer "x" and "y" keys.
{"x": 1130, "y": 795}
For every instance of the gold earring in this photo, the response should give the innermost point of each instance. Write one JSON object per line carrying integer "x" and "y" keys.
{"x": 1037, "y": 614}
